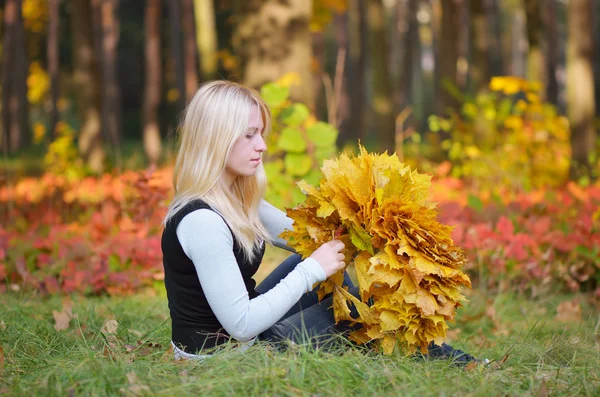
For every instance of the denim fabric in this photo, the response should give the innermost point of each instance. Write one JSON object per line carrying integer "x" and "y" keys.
{"x": 308, "y": 321}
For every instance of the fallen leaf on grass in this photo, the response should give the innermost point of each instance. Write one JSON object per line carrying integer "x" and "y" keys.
{"x": 2, "y": 326}
{"x": 452, "y": 334}
{"x": 63, "y": 318}
{"x": 134, "y": 388}
{"x": 109, "y": 330}
{"x": 543, "y": 390}
{"x": 471, "y": 366}
{"x": 569, "y": 311}
{"x": 110, "y": 327}
{"x": 500, "y": 363}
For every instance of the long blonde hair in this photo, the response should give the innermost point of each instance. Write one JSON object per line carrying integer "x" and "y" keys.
{"x": 215, "y": 118}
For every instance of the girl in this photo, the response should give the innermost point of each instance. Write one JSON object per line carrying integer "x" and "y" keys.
{"x": 216, "y": 229}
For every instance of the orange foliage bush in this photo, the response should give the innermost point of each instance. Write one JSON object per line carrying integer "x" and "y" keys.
{"x": 102, "y": 235}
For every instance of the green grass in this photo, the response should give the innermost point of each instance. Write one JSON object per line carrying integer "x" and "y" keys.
{"x": 544, "y": 356}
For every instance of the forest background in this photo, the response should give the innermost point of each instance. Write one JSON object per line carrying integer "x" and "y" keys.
{"x": 498, "y": 100}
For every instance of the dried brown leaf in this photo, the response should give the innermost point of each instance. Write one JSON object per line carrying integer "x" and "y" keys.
{"x": 569, "y": 311}
{"x": 63, "y": 318}
{"x": 134, "y": 386}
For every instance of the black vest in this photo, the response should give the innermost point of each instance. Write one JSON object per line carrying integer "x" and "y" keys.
{"x": 194, "y": 325}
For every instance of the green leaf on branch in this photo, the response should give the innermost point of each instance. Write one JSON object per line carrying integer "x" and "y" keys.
{"x": 324, "y": 153}
{"x": 322, "y": 134}
{"x": 298, "y": 164}
{"x": 291, "y": 140}
{"x": 313, "y": 177}
{"x": 295, "y": 114}
{"x": 274, "y": 94}
{"x": 298, "y": 196}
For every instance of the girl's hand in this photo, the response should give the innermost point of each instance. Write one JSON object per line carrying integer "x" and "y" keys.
{"x": 329, "y": 257}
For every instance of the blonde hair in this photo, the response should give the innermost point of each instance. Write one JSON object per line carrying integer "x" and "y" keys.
{"x": 215, "y": 118}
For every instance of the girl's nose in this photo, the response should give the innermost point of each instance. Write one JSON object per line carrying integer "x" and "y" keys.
{"x": 261, "y": 145}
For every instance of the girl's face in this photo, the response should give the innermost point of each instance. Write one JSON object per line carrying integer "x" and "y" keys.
{"x": 245, "y": 156}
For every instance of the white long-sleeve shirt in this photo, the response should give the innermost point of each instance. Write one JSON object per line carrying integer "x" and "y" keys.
{"x": 208, "y": 242}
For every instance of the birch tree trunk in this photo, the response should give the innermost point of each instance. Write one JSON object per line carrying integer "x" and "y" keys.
{"x": 536, "y": 63}
{"x": 206, "y": 37}
{"x": 580, "y": 85}
{"x": 87, "y": 85}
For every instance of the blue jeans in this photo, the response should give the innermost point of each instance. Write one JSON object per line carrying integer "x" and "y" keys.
{"x": 308, "y": 321}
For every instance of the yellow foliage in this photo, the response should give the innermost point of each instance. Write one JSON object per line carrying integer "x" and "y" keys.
{"x": 39, "y": 132}
{"x": 407, "y": 266}
{"x": 323, "y": 11}
{"x": 289, "y": 79}
{"x": 498, "y": 140}
{"x": 38, "y": 83}
{"x": 62, "y": 157}
{"x": 35, "y": 15}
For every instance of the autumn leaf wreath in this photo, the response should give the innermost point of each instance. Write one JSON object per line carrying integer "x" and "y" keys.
{"x": 407, "y": 266}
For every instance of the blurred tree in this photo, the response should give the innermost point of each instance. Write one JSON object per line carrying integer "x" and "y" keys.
{"x": 596, "y": 25}
{"x": 479, "y": 65}
{"x": 152, "y": 89}
{"x": 352, "y": 26}
{"x": 447, "y": 55}
{"x": 53, "y": 62}
{"x": 552, "y": 52}
{"x": 108, "y": 23}
{"x": 382, "y": 103}
{"x": 272, "y": 38}
{"x": 536, "y": 64}
{"x": 190, "y": 49}
{"x": 177, "y": 50}
{"x": 87, "y": 81}
{"x": 15, "y": 131}
{"x": 580, "y": 85}
{"x": 412, "y": 56}
{"x": 206, "y": 37}
{"x": 496, "y": 53}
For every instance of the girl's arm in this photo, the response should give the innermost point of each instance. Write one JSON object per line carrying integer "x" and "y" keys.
{"x": 275, "y": 221}
{"x": 208, "y": 242}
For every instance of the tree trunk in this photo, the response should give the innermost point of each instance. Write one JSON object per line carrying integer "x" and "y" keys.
{"x": 398, "y": 54}
{"x": 152, "y": 89}
{"x": 536, "y": 63}
{"x": 352, "y": 101}
{"x": 518, "y": 36}
{"x": 53, "y": 62}
{"x": 272, "y": 38}
{"x": 87, "y": 82}
{"x": 596, "y": 25}
{"x": 382, "y": 104}
{"x": 580, "y": 85}
{"x": 112, "y": 95}
{"x": 15, "y": 131}
{"x": 177, "y": 50}
{"x": 190, "y": 58}
{"x": 353, "y": 126}
{"x": 206, "y": 37}
{"x": 553, "y": 52}
{"x": 411, "y": 57}
{"x": 448, "y": 55}
{"x": 497, "y": 49}
{"x": 480, "y": 61}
